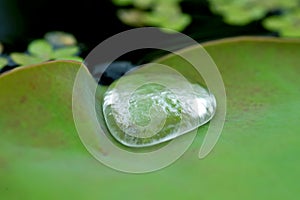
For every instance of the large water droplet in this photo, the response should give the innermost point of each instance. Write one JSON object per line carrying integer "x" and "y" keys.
{"x": 155, "y": 104}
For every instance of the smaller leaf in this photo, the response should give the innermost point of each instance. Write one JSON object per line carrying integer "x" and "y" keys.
{"x": 168, "y": 15}
{"x": 24, "y": 59}
{"x": 58, "y": 38}
{"x": 287, "y": 25}
{"x": 74, "y": 58}
{"x": 132, "y": 17}
{"x": 40, "y": 48}
{"x": 65, "y": 52}
{"x": 3, "y": 62}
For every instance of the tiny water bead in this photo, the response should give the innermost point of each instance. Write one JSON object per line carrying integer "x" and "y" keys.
{"x": 155, "y": 104}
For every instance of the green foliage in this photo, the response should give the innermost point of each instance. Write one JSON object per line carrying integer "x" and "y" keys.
{"x": 286, "y": 25}
{"x": 25, "y": 59}
{"x": 160, "y": 13}
{"x": 41, "y": 50}
{"x": 242, "y": 12}
{"x": 60, "y": 39}
{"x": 167, "y": 13}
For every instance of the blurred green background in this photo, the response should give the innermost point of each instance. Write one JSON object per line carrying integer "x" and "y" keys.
{"x": 93, "y": 21}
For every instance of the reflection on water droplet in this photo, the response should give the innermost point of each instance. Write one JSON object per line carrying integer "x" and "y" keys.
{"x": 155, "y": 104}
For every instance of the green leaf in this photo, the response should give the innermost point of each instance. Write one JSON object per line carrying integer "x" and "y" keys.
{"x": 25, "y": 59}
{"x": 162, "y": 13}
{"x": 242, "y": 12}
{"x": 65, "y": 51}
{"x": 168, "y": 16}
{"x": 132, "y": 17}
{"x": 256, "y": 157}
{"x": 3, "y": 62}
{"x": 74, "y": 58}
{"x": 40, "y": 48}
{"x": 287, "y": 25}
{"x": 59, "y": 39}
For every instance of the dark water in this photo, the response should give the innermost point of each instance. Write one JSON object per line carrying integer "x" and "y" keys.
{"x": 91, "y": 22}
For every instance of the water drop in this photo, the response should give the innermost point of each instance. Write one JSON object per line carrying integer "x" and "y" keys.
{"x": 155, "y": 104}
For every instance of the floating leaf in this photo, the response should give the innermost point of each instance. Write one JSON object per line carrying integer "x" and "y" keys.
{"x": 25, "y": 59}
{"x": 60, "y": 39}
{"x": 40, "y": 48}
{"x": 132, "y": 17}
{"x": 162, "y": 13}
{"x": 287, "y": 25}
{"x": 256, "y": 157}
{"x": 167, "y": 15}
{"x": 65, "y": 51}
{"x": 242, "y": 12}
{"x": 74, "y": 58}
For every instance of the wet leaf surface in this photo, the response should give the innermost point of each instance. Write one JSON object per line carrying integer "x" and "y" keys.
{"x": 257, "y": 156}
